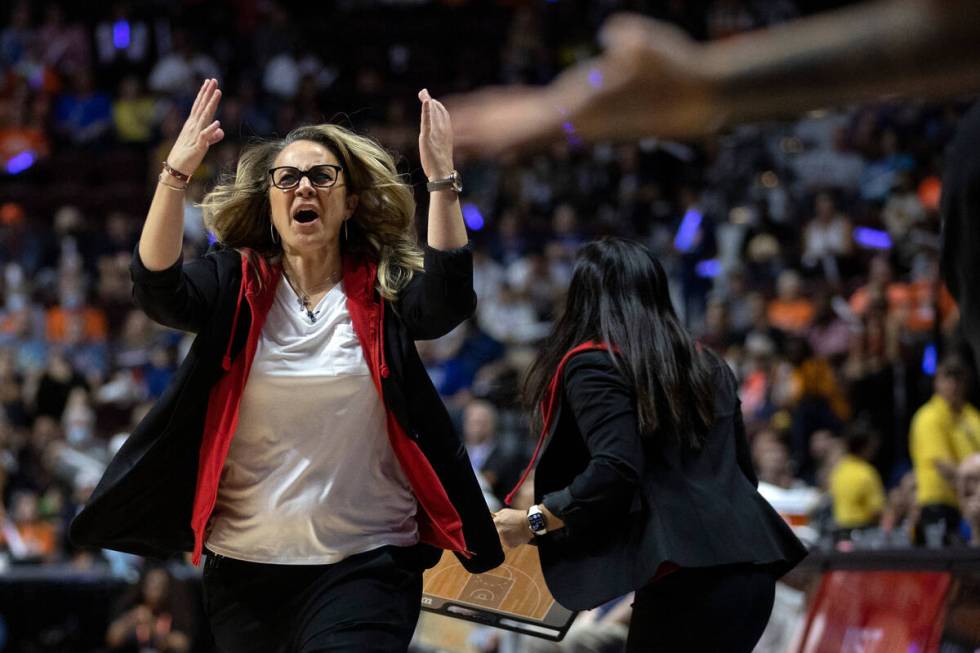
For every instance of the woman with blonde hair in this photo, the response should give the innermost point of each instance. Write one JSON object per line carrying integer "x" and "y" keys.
{"x": 301, "y": 446}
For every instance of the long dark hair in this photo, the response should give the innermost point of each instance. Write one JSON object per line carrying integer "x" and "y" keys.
{"x": 619, "y": 296}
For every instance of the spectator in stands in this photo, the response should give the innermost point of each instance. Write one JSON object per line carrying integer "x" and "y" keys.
{"x": 790, "y": 311}
{"x": 930, "y": 306}
{"x": 487, "y": 450}
{"x": 17, "y": 36}
{"x": 65, "y": 46}
{"x": 827, "y": 238}
{"x": 902, "y": 214}
{"x": 812, "y": 393}
{"x": 152, "y": 620}
{"x": 134, "y": 114}
{"x": 880, "y": 285}
{"x": 510, "y": 318}
{"x": 830, "y": 335}
{"x": 881, "y": 175}
{"x": 12, "y": 400}
{"x": 968, "y": 494}
{"x": 54, "y": 386}
{"x": 790, "y": 496}
{"x": 177, "y": 73}
{"x": 770, "y": 457}
{"x": 34, "y": 539}
{"x": 718, "y": 333}
{"x": 538, "y": 277}
{"x": 22, "y": 133}
{"x": 901, "y": 514}
{"x": 83, "y": 116}
{"x": 944, "y": 432}
{"x": 855, "y": 486}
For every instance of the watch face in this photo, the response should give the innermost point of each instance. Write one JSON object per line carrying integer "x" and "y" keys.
{"x": 536, "y": 521}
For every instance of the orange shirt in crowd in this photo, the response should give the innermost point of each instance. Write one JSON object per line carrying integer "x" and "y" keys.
{"x": 76, "y": 325}
{"x": 897, "y": 295}
{"x": 792, "y": 316}
{"x": 39, "y": 537}
{"x": 816, "y": 378}
{"x": 14, "y": 140}
{"x": 923, "y": 304}
{"x": 914, "y": 301}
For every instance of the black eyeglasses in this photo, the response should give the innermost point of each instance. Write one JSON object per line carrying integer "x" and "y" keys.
{"x": 322, "y": 176}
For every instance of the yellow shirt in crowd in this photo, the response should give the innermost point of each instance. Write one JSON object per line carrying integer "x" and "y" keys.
{"x": 857, "y": 492}
{"x": 937, "y": 433}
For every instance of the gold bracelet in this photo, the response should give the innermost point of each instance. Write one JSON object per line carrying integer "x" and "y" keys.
{"x": 161, "y": 181}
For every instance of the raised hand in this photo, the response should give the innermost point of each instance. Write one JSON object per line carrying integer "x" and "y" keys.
{"x": 435, "y": 138}
{"x": 200, "y": 131}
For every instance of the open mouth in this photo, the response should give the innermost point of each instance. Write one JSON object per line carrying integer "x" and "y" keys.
{"x": 305, "y": 216}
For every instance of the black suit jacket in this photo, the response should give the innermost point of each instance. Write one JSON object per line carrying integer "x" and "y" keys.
{"x": 143, "y": 503}
{"x": 631, "y": 504}
{"x": 961, "y": 225}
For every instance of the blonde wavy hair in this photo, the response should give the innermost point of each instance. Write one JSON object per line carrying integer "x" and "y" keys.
{"x": 237, "y": 209}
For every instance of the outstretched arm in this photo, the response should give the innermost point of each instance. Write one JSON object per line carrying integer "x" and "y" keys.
{"x": 653, "y": 80}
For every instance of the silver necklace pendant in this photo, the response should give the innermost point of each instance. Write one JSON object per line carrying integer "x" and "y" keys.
{"x": 304, "y": 305}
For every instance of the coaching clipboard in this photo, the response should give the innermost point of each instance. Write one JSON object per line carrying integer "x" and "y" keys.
{"x": 513, "y": 596}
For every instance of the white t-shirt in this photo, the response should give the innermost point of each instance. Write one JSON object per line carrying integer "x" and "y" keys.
{"x": 310, "y": 477}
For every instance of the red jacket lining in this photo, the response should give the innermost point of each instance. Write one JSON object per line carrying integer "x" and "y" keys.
{"x": 438, "y": 520}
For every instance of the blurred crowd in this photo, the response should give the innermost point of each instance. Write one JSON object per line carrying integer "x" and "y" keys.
{"x": 806, "y": 253}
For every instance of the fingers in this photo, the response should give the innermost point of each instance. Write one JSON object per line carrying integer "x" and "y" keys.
{"x": 440, "y": 114}
{"x": 434, "y": 113}
{"x": 212, "y": 133}
{"x": 203, "y": 96}
{"x": 200, "y": 95}
{"x": 207, "y": 114}
{"x": 426, "y": 125}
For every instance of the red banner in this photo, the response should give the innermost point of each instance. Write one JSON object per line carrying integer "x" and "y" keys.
{"x": 877, "y": 612}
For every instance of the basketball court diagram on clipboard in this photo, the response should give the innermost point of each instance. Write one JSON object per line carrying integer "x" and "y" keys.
{"x": 513, "y": 596}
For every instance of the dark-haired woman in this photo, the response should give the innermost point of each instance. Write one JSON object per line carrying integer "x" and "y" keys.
{"x": 644, "y": 480}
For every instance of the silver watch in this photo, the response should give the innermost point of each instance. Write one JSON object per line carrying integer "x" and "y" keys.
{"x": 453, "y": 182}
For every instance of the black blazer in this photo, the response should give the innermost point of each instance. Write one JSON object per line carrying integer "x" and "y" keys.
{"x": 143, "y": 503}
{"x": 631, "y": 504}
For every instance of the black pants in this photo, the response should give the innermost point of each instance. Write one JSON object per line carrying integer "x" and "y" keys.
{"x": 368, "y": 602}
{"x": 711, "y": 610}
{"x": 939, "y": 525}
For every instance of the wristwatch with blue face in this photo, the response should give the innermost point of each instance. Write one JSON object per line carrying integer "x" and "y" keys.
{"x": 535, "y": 521}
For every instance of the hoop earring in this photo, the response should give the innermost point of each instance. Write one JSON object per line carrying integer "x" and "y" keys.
{"x": 346, "y": 236}
{"x": 272, "y": 233}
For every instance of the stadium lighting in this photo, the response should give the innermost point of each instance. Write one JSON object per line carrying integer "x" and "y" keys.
{"x": 472, "y": 216}
{"x": 872, "y": 238}
{"x": 20, "y": 162}
{"x": 708, "y": 268}
{"x": 688, "y": 230}
{"x": 120, "y": 34}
